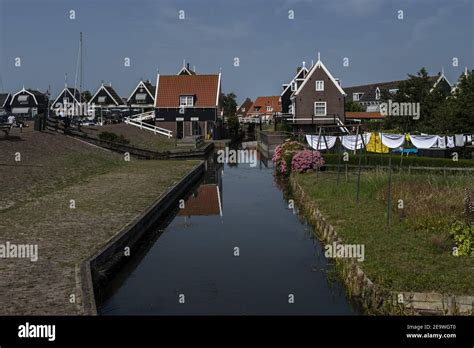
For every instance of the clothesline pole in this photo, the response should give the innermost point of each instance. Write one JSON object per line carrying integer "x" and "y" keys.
{"x": 338, "y": 160}
{"x": 360, "y": 165}
{"x": 389, "y": 193}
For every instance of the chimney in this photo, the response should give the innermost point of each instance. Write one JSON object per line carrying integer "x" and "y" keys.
{"x": 187, "y": 66}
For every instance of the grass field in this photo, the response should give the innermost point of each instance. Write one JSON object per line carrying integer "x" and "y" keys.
{"x": 415, "y": 252}
{"x": 137, "y": 137}
{"x": 35, "y": 198}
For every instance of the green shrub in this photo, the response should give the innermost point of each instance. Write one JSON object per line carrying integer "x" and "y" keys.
{"x": 463, "y": 235}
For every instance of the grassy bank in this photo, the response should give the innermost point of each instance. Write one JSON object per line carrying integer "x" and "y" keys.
{"x": 415, "y": 253}
{"x": 107, "y": 193}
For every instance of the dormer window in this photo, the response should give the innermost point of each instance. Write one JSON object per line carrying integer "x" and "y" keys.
{"x": 269, "y": 108}
{"x": 23, "y": 98}
{"x": 320, "y": 85}
{"x": 186, "y": 101}
{"x": 140, "y": 97}
{"x": 357, "y": 96}
{"x": 257, "y": 108}
{"x": 377, "y": 94}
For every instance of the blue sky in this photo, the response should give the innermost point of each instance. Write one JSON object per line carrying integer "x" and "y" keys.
{"x": 269, "y": 45}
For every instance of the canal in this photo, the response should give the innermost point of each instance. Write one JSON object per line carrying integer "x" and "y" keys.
{"x": 236, "y": 248}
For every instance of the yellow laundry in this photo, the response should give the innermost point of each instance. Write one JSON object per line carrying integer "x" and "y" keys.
{"x": 375, "y": 144}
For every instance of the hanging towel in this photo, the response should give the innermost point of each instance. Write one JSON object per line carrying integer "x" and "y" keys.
{"x": 350, "y": 143}
{"x": 441, "y": 142}
{"x": 320, "y": 144}
{"x": 459, "y": 140}
{"x": 392, "y": 141}
{"x": 375, "y": 144}
{"x": 450, "y": 142}
{"x": 423, "y": 141}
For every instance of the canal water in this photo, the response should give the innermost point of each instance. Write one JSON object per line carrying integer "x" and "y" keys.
{"x": 236, "y": 248}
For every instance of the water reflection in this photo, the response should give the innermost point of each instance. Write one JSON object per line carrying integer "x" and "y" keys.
{"x": 194, "y": 259}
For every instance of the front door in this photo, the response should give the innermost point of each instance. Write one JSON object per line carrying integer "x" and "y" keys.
{"x": 179, "y": 129}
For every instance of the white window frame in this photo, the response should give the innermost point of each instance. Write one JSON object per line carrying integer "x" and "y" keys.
{"x": 393, "y": 90}
{"x": 269, "y": 108}
{"x": 23, "y": 98}
{"x": 101, "y": 99}
{"x": 186, "y": 101}
{"x": 141, "y": 95}
{"x": 377, "y": 94}
{"x": 356, "y": 96}
{"x": 319, "y": 85}
{"x": 325, "y": 108}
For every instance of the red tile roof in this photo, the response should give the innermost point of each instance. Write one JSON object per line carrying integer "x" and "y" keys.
{"x": 205, "y": 88}
{"x": 364, "y": 115}
{"x": 263, "y": 102}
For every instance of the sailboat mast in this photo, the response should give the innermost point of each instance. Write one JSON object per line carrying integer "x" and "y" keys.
{"x": 81, "y": 76}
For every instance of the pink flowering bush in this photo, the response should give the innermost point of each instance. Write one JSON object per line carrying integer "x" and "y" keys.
{"x": 284, "y": 154}
{"x": 306, "y": 160}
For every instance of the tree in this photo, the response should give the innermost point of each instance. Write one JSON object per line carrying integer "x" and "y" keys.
{"x": 229, "y": 107}
{"x": 353, "y": 106}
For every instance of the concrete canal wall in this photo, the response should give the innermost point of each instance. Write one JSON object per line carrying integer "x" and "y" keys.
{"x": 268, "y": 141}
{"x": 96, "y": 272}
{"x": 372, "y": 298}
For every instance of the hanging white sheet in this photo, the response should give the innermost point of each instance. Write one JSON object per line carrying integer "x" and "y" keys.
{"x": 392, "y": 141}
{"x": 423, "y": 141}
{"x": 350, "y": 142}
{"x": 459, "y": 140}
{"x": 319, "y": 143}
{"x": 441, "y": 142}
{"x": 469, "y": 139}
{"x": 450, "y": 142}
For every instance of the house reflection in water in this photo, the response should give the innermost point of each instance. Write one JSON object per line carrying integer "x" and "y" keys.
{"x": 206, "y": 200}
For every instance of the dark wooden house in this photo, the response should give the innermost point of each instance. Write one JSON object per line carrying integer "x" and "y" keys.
{"x": 290, "y": 88}
{"x": 29, "y": 103}
{"x": 189, "y": 104}
{"x": 142, "y": 98}
{"x": 106, "y": 99}
{"x": 5, "y": 99}
{"x": 319, "y": 99}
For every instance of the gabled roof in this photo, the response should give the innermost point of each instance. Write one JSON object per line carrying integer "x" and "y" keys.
{"x": 185, "y": 71}
{"x": 112, "y": 94}
{"x": 4, "y": 99}
{"x": 39, "y": 97}
{"x": 205, "y": 89}
{"x": 148, "y": 87}
{"x": 301, "y": 74}
{"x": 319, "y": 64}
{"x": 73, "y": 92}
{"x": 263, "y": 102}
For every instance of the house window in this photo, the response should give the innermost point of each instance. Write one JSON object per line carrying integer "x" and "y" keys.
{"x": 243, "y": 109}
{"x": 377, "y": 94}
{"x": 357, "y": 96}
{"x": 23, "y": 98}
{"x": 269, "y": 108}
{"x": 140, "y": 97}
{"x": 101, "y": 100}
{"x": 186, "y": 101}
{"x": 257, "y": 108}
{"x": 393, "y": 90}
{"x": 293, "y": 86}
{"x": 320, "y": 109}
{"x": 320, "y": 85}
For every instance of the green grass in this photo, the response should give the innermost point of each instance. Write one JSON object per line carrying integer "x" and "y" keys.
{"x": 408, "y": 256}
{"x": 378, "y": 159}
